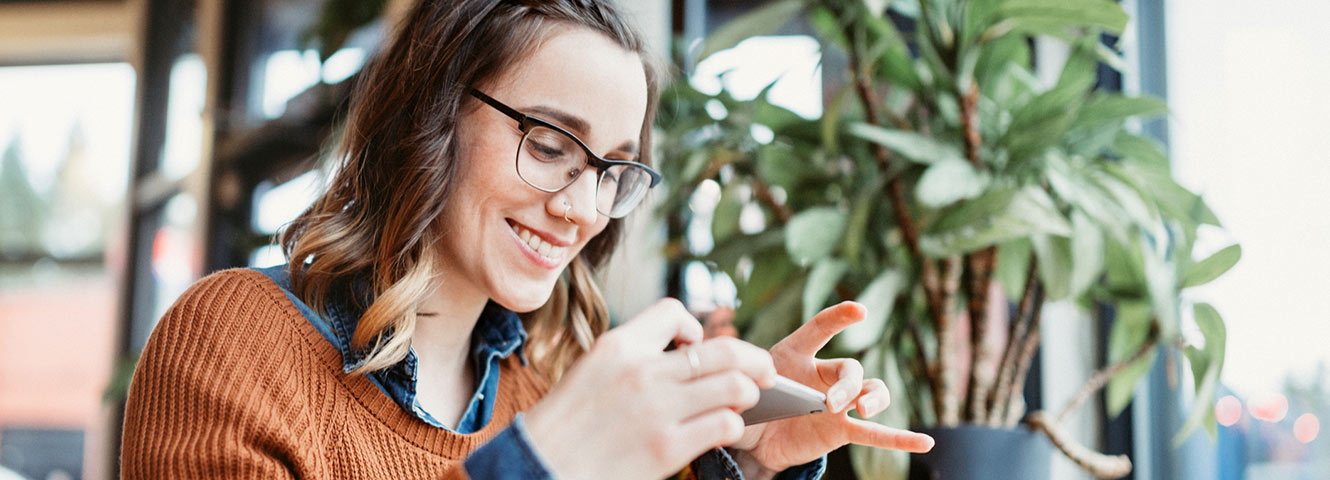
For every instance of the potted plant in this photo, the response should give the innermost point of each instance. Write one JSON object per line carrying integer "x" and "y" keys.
{"x": 944, "y": 183}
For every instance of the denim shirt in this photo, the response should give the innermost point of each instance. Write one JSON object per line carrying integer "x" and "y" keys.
{"x": 497, "y": 335}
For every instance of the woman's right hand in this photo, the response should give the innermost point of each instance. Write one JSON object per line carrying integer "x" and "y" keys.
{"x": 630, "y": 409}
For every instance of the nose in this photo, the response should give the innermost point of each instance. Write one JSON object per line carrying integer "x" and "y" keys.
{"x": 580, "y": 198}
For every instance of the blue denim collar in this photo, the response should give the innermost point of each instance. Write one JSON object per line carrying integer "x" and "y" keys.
{"x": 497, "y": 335}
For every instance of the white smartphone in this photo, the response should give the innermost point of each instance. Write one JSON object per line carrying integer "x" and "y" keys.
{"x": 787, "y": 398}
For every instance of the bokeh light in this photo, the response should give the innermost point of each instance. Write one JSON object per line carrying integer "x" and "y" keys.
{"x": 1228, "y": 410}
{"x": 1268, "y": 406}
{"x": 1306, "y": 427}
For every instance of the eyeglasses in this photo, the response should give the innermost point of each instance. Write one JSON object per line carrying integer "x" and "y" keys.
{"x": 550, "y": 159}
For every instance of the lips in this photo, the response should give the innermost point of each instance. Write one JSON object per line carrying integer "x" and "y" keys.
{"x": 550, "y": 253}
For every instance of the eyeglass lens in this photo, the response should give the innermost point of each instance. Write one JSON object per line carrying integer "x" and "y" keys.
{"x": 550, "y": 160}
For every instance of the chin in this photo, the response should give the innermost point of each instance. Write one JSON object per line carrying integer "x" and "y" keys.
{"x": 523, "y": 300}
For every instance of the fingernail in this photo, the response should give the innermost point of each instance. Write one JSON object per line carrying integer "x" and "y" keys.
{"x": 837, "y": 400}
{"x": 870, "y": 408}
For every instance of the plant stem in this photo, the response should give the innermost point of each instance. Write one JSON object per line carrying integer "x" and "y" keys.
{"x": 980, "y": 266}
{"x": 763, "y": 193}
{"x": 1098, "y": 464}
{"x": 978, "y": 275}
{"x": 1101, "y": 378}
{"x": 970, "y": 123}
{"x": 939, "y": 380}
{"x": 1028, "y": 346}
{"x": 1019, "y": 327}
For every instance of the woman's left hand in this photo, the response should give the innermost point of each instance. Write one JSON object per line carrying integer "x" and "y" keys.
{"x": 781, "y": 444}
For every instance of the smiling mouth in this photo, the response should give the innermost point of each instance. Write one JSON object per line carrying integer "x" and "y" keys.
{"x": 547, "y": 252}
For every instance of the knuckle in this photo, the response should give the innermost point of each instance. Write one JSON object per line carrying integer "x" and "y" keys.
{"x": 635, "y": 378}
{"x": 737, "y": 386}
{"x": 611, "y": 343}
{"x": 660, "y": 443}
{"x": 726, "y": 351}
{"x": 731, "y": 427}
{"x": 671, "y": 304}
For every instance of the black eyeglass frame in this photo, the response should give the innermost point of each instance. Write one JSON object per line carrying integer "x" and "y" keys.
{"x": 527, "y": 122}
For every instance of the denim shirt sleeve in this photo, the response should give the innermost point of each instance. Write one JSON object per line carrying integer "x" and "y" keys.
{"x": 717, "y": 464}
{"x": 508, "y": 456}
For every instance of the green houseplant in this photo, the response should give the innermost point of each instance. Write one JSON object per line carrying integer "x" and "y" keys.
{"x": 944, "y": 182}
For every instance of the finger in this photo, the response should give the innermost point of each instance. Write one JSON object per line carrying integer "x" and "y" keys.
{"x": 732, "y": 390}
{"x": 846, "y": 377}
{"x": 721, "y": 354}
{"x": 815, "y": 334}
{"x": 663, "y": 322}
{"x": 873, "y": 398}
{"x": 712, "y": 429}
{"x": 864, "y": 432}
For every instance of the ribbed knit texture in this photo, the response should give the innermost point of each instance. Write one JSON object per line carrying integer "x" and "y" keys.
{"x": 235, "y": 383}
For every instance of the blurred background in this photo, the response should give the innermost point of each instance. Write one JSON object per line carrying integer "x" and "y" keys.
{"x": 146, "y": 143}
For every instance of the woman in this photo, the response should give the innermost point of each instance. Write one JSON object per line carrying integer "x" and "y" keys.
{"x": 488, "y": 157}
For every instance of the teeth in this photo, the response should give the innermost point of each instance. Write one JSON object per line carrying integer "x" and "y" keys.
{"x": 544, "y": 249}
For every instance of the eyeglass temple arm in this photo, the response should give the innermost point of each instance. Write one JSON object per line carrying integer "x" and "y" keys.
{"x": 514, "y": 114}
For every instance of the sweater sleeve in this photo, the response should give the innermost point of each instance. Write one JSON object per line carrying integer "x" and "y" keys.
{"x": 212, "y": 395}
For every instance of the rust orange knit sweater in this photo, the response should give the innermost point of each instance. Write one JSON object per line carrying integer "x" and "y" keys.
{"x": 235, "y": 383}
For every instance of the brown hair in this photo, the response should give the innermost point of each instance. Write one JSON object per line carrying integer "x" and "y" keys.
{"x": 397, "y": 165}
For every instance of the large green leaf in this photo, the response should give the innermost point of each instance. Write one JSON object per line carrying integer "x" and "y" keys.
{"x": 725, "y": 219}
{"x": 1131, "y": 330}
{"x": 1212, "y": 267}
{"x": 857, "y": 231}
{"x": 1072, "y": 185}
{"x": 1000, "y": 215}
{"x": 1206, "y": 364}
{"x": 949, "y": 181}
{"x": 1141, "y": 150}
{"x": 822, "y": 280}
{"x": 772, "y": 273}
{"x": 1057, "y": 16}
{"x": 1012, "y": 265}
{"x": 1087, "y": 247}
{"x": 726, "y": 254}
{"x": 878, "y": 298}
{"x": 813, "y": 234}
{"x": 764, "y": 20}
{"x": 1055, "y": 265}
{"x": 1162, "y": 284}
{"x": 775, "y": 318}
{"x": 1112, "y": 109}
{"x": 781, "y": 165}
{"x": 879, "y": 463}
{"x": 913, "y": 146}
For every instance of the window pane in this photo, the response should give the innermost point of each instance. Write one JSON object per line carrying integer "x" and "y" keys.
{"x": 64, "y": 163}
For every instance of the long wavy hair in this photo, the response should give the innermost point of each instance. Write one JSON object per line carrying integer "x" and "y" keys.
{"x": 376, "y": 223}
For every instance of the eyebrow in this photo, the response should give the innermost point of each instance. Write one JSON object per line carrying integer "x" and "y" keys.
{"x": 576, "y": 124}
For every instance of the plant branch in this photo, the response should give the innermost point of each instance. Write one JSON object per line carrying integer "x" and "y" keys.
{"x": 942, "y": 383}
{"x": 763, "y": 193}
{"x": 1098, "y": 464}
{"x": 970, "y": 122}
{"x": 1019, "y": 327}
{"x": 980, "y": 266}
{"x": 1029, "y": 345}
{"x": 1101, "y": 378}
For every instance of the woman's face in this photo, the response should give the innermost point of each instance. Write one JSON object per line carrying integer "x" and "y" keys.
{"x": 580, "y": 80}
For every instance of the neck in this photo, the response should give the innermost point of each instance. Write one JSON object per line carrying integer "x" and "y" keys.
{"x": 442, "y": 338}
{"x": 442, "y": 341}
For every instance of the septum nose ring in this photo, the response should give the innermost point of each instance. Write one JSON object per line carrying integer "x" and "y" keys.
{"x": 566, "y": 208}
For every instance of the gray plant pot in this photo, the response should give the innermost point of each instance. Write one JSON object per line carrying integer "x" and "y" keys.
{"x": 973, "y": 453}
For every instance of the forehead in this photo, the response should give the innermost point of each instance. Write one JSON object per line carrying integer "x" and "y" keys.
{"x": 586, "y": 74}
